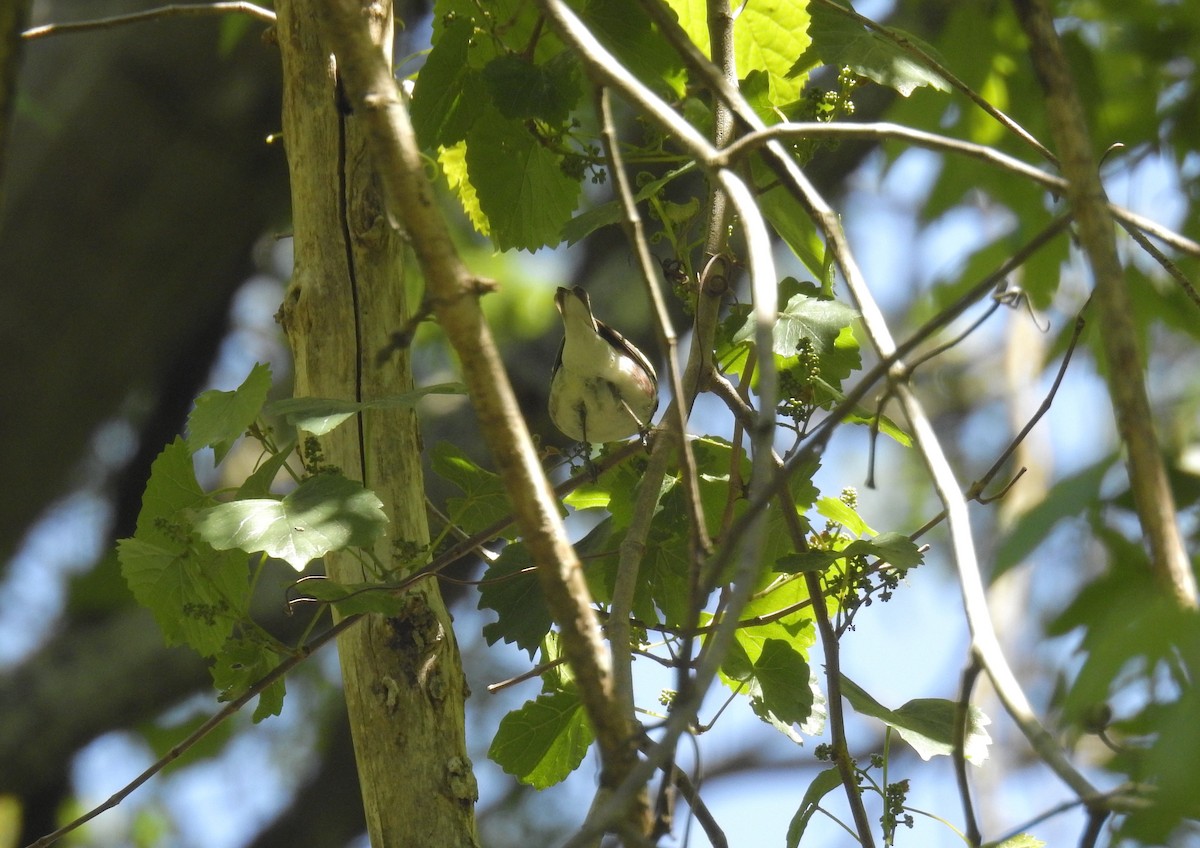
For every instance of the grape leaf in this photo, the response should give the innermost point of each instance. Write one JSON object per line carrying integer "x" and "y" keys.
{"x": 783, "y": 676}
{"x": 927, "y": 724}
{"x": 193, "y": 593}
{"x": 822, "y": 785}
{"x": 517, "y": 599}
{"x": 520, "y": 183}
{"x": 543, "y": 741}
{"x": 485, "y": 502}
{"x": 324, "y": 513}
{"x": 839, "y": 40}
{"x": 221, "y": 418}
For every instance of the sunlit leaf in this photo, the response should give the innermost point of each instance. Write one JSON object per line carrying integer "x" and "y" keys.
{"x": 927, "y": 724}
{"x": 325, "y": 513}
{"x": 221, "y": 418}
{"x": 543, "y": 741}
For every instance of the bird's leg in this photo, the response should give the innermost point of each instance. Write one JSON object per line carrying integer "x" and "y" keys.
{"x": 587, "y": 446}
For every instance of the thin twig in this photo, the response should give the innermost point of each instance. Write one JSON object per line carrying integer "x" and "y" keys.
{"x": 962, "y": 709}
{"x": 161, "y": 13}
{"x": 1163, "y": 260}
{"x": 200, "y": 732}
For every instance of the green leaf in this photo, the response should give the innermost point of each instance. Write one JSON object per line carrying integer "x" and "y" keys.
{"x": 239, "y": 666}
{"x": 517, "y": 599}
{"x": 221, "y": 418}
{"x": 521, "y": 90}
{"x": 485, "y": 502}
{"x": 544, "y": 741}
{"x": 325, "y": 513}
{"x": 258, "y": 484}
{"x": 783, "y": 677}
{"x": 892, "y": 547}
{"x": 927, "y": 724}
{"x": 449, "y": 93}
{"x": 624, "y": 28}
{"x": 837, "y": 511}
{"x": 520, "y": 183}
{"x": 766, "y": 37}
{"x": 1021, "y": 840}
{"x": 171, "y": 489}
{"x": 320, "y": 415}
{"x": 195, "y": 594}
{"x": 822, "y": 785}
{"x": 839, "y": 40}
{"x": 804, "y": 317}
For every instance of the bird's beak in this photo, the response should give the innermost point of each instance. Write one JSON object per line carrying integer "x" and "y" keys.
{"x": 569, "y": 300}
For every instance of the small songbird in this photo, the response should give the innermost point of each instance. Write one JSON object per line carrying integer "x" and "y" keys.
{"x": 602, "y": 389}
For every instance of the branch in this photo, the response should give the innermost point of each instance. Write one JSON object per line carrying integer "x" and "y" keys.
{"x": 454, "y": 296}
{"x": 1152, "y": 494}
{"x": 975, "y": 602}
{"x": 200, "y": 732}
{"x": 187, "y": 10}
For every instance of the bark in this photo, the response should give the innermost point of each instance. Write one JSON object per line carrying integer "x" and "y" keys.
{"x": 1126, "y": 368}
{"x": 404, "y": 684}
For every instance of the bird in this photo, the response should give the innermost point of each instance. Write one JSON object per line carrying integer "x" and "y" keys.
{"x": 602, "y": 388}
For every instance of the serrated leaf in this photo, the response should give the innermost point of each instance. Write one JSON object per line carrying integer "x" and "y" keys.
{"x": 485, "y": 501}
{"x": 449, "y": 94}
{"x": 194, "y": 593}
{"x": 171, "y": 489}
{"x": 320, "y": 415}
{"x": 520, "y": 183}
{"x": 637, "y": 44}
{"x": 783, "y": 678}
{"x": 523, "y": 90}
{"x": 822, "y": 785}
{"x": 927, "y": 724}
{"x": 804, "y": 317}
{"x": 325, "y": 513}
{"x": 765, "y": 38}
{"x": 768, "y": 37}
{"x": 517, "y": 599}
{"x": 239, "y": 666}
{"x": 221, "y": 418}
{"x": 453, "y": 162}
{"x": 544, "y": 741}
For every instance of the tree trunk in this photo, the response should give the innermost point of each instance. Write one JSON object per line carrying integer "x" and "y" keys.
{"x": 405, "y": 688}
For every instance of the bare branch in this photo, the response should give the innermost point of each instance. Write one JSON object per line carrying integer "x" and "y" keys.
{"x": 453, "y": 294}
{"x": 1152, "y": 494}
{"x": 182, "y": 10}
